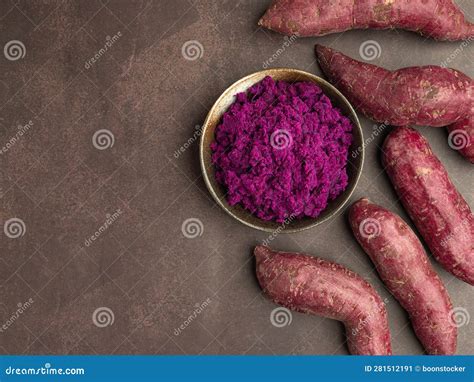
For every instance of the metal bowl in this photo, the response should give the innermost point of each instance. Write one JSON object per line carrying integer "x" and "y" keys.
{"x": 354, "y": 166}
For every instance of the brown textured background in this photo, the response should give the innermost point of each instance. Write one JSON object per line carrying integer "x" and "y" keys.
{"x": 150, "y": 98}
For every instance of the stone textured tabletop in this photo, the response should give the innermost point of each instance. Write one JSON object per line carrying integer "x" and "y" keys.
{"x": 110, "y": 241}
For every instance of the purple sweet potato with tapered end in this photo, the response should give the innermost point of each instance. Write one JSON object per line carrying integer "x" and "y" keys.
{"x": 403, "y": 266}
{"x": 439, "y": 211}
{"x": 313, "y": 285}
{"x": 425, "y": 96}
{"x": 439, "y": 19}
{"x": 461, "y": 137}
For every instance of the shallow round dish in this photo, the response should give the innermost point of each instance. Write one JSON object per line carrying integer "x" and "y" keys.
{"x": 354, "y": 166}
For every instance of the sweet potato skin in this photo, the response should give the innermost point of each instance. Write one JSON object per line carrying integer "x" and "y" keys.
{"x": 461, "y": 137}
{"x": 439, "y": 19}
{"x": 313, "y": 285}
{"x": 438, "y": 210}
{"x": 406, "y": 271}
{"x": 425, "y": 96}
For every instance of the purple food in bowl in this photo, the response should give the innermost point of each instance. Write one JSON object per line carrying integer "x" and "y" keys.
{"x": 281, "y": 150}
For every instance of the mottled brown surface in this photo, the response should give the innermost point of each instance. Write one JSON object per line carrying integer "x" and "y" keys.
{"x": 151, "y": 98}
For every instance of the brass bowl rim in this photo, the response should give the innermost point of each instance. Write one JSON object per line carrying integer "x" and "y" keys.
{"x": 206, "y": 175}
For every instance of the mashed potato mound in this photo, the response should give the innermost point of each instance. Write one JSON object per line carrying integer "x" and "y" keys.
{"x": 281, "y": 150}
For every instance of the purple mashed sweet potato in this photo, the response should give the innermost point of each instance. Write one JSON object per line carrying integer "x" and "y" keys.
{"x": 281, "y": 150}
